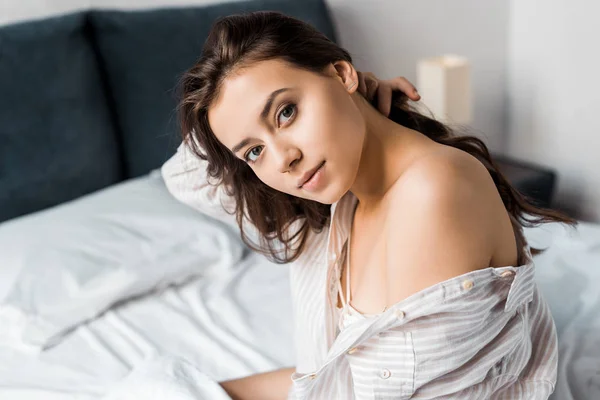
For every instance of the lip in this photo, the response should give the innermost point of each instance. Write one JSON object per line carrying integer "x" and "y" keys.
{"x": 307, "y": 175}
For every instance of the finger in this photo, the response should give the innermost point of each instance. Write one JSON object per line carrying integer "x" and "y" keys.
{"x": 384, "y": 99}
{"x": 362, "y": 87}
{"x": 372, "y": 86}
{"x": 402, "y": 84}
{"x": 371, "y": 82}
{"x": 369, "y": 76}
{"x": 359, "y": 75}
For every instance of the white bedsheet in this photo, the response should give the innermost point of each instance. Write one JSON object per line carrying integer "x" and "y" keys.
{"x": 237, "y": 324}
{"x": 569, "y": 275}
{"x": 240, "y": 323}
{"x": 166, "y": 377}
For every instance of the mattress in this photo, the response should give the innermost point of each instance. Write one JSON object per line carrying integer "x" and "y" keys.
{"x": 239, "y": 322}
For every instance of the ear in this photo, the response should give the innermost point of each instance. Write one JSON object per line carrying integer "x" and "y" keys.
{"x": 347, "y": 74}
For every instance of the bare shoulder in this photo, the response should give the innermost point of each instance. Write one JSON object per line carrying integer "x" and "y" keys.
{"x": 445, "y": 171}
{"x": 441, "y": 222}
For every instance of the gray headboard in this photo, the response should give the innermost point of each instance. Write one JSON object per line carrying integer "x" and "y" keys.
{"x": 88, "y": 98}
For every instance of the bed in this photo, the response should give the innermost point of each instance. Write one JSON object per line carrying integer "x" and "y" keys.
{"x": 106, "y": 280}
{"x": 235, "y": 319}
{"x": 229, "y": 315}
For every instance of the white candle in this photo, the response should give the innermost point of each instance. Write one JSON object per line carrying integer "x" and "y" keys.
{"x": 444, "y": 84}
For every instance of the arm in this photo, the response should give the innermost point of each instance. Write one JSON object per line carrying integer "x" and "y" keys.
{"x": 272, "y": 385}
{"x": 369, "y": 86}
{"x": 186, "y": 179}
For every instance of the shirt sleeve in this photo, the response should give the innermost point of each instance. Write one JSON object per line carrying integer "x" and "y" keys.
{"x": 186, "y": 178}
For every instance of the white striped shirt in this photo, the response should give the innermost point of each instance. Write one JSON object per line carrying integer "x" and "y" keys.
{"x": 486, "y": 334}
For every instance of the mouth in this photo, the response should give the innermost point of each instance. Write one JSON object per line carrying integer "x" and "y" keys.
{"x": 311, "y": 174}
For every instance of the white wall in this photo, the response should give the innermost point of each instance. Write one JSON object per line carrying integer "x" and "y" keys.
{"x": 554, "y": 95}
{"x": 20, "y": 10}
{"x": 387, "y": 37}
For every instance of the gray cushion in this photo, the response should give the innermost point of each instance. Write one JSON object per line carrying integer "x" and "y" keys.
{"x": 145, "y": 52}
{"x": 57, "y": 141}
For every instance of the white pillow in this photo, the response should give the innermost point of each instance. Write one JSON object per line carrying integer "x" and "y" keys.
{"x": 67, "y": 264}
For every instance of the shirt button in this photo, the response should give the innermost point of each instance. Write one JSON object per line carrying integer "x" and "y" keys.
{"x": 385, "y": 373}
{"x": 468, "y": 284}
{"x": 506, "y": 274}
{"x": 352, "y": 350}
{"x": 312, "y": 376}
{"x": 399, "y": 314}
{"x": 332, "y": 256}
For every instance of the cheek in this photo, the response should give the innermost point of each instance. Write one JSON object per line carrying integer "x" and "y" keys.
{"x": 328, "y": 119}
{"x": 270, "y": 179}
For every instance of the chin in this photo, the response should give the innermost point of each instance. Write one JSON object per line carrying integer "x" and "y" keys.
{"x": 328, "y": 195}
{"x": 330, "y": 198}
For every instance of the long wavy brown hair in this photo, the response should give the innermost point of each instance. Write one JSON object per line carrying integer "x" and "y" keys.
{"x": 239, "y": 40}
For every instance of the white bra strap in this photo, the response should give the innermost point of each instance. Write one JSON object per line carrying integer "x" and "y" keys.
{"x": 347, "y": 300}
{"x": 341, "y": 293}
{"x": 348, "y": 267}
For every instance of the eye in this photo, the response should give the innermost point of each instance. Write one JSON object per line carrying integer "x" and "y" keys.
{"x": 286, "y": 113}
{"x": 250, "y": 153}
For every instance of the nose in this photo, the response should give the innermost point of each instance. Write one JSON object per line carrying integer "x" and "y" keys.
{"x": 286, "y": 157}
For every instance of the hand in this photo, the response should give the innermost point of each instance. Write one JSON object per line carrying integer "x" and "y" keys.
{"x": 369, "y": 85}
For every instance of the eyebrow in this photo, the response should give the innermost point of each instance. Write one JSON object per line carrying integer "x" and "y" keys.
{"x": 263, "y": 115}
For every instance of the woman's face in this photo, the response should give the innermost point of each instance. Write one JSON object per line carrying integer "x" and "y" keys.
{"x": 285, "y": 122}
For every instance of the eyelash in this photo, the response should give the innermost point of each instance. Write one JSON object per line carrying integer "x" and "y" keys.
{"x": 277, "y": 115}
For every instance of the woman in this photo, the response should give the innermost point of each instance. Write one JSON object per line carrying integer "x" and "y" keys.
{"x": 410, "y": 274}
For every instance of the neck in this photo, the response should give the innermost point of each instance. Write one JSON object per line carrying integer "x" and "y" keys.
{"x": 388, "y": 149}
